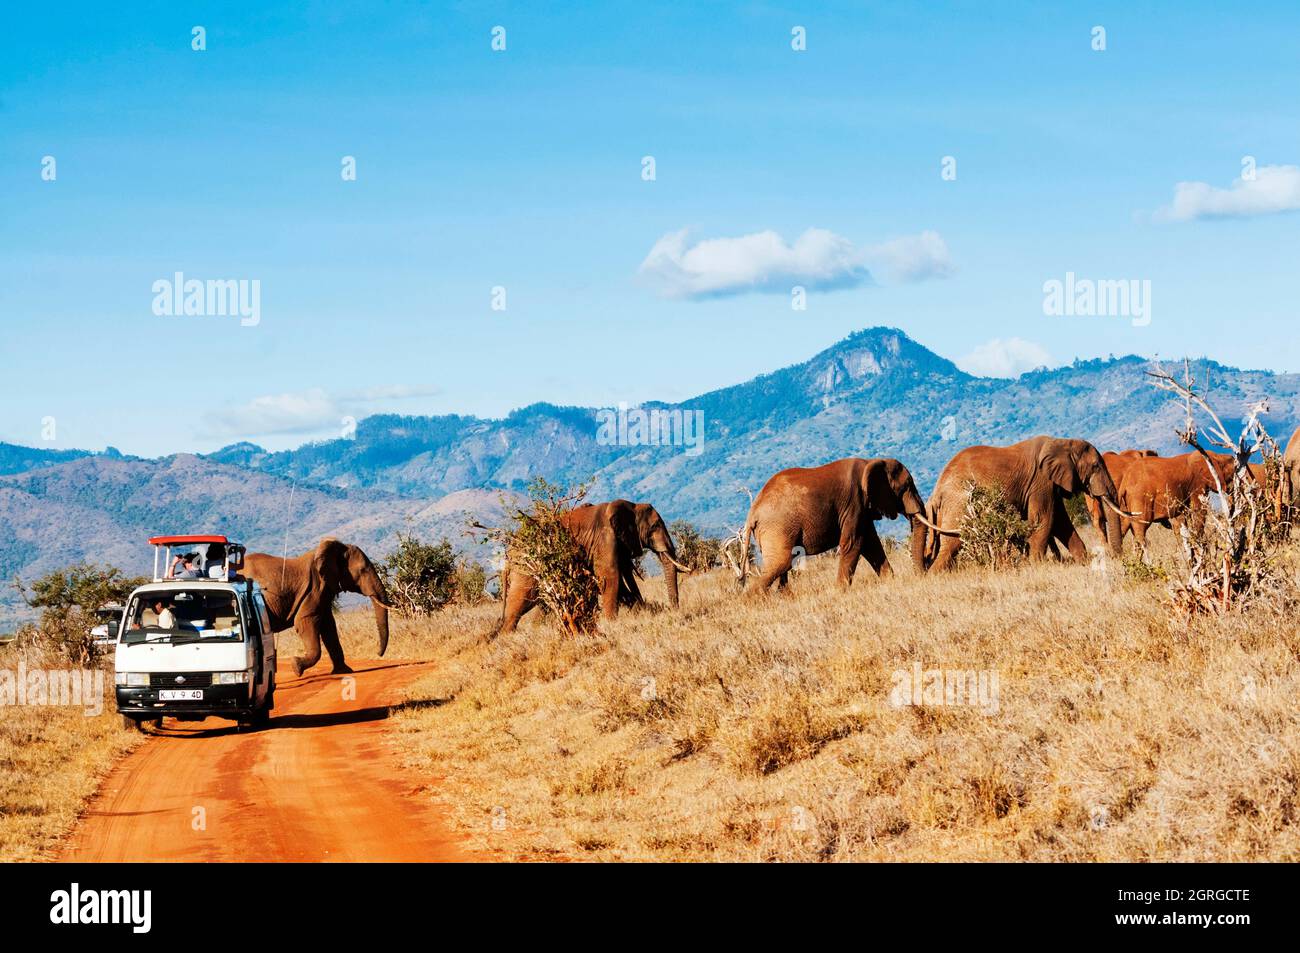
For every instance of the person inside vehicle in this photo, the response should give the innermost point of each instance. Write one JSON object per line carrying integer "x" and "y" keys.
{"x": 183, "y": 567}
{"x": 163, "y": 612}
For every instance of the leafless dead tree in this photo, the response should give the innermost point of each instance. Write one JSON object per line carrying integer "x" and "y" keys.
{"x": 1230, "y": 559}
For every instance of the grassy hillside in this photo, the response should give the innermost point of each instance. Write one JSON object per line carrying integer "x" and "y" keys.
{"x": 744, "y": 729}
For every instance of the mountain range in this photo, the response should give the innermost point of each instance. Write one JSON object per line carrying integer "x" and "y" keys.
{"x": 876, "y": 393}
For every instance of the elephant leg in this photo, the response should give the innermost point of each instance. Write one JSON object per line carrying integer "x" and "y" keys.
{"x": 520, "y": 596}
{"x": 1040, "y": 517}
{"x": 949, "y": 546}
{"x": 875, "y": 552}
{"x": 608, "y": 578}
{"x": 1064, "y": 532}
{"x": 850, "y": 549}
{"x": 777, "y": 566}
{"x": 308, "y": 630}
{"x": 329, "y": 634}
{"x": 1140, "y": 535}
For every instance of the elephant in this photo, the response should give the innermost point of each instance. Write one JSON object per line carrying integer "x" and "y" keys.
{"x": 1166, "y": 490}
{"x": 614, "y": 535}
{"x": 1116, "y": 463}
{"x": 300, "y": 593}
{"x": 831, "y": 506}
{"x": 1290, "y": 490}
{"x": 1035, "y": 476}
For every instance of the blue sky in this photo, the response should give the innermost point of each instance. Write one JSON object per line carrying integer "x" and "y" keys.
{"x": 523, "y": 169}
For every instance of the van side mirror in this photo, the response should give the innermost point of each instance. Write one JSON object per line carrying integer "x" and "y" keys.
{"x": 113, "y": 627}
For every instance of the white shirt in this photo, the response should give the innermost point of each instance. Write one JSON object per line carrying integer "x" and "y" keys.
{"x": 166, "y": 620}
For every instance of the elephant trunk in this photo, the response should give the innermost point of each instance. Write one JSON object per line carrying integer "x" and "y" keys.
{"x": 662, "y": 546}
{"x": 913, "y": 508}
{"x": 666, "y": 559}
{"x": 369, "y": 584}
{"x": 1102, "y": 488}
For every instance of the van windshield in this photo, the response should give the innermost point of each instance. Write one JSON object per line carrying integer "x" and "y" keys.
{"x": 183, "y": 615}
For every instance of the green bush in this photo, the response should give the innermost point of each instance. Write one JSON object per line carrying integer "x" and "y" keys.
{"x": 470, "y": 581}
{"x": 68, "y": 599}
{"x": 420, "y": 578}
{"x": 993, "y": 533}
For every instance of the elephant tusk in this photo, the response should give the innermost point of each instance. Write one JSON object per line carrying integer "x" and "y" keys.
{"x": 679, "y": 566}
{"x": 937, "y": 529}
{"x": 1129, "y": 516}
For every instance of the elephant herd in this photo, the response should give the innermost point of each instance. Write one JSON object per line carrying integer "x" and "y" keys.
{"x": 810, "y": 511}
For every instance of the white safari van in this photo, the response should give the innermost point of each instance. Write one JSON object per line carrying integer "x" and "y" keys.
{"x": 196, "y": 641}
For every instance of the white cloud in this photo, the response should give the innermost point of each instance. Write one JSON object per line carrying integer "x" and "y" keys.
{"x": 313, "y": 411}
{"x": 911, "y": 258}
{"x": 818, "y": 260}
{"x": 1275, "y": 188}
{"x": 1005, "y": 357}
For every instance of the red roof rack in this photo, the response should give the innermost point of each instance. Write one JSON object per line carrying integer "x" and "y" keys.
{"x": 173, "y": 540}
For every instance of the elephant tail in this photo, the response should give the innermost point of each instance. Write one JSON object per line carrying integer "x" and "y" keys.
{"x": 746, "y": 534}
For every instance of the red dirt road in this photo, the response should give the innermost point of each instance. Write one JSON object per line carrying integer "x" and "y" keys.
{"x": 319, "y": 784}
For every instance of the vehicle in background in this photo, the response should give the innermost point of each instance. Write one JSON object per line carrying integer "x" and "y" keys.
{"x": 106, "y": 614}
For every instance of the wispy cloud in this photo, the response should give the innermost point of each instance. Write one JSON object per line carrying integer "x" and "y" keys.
{"x": 911, "y": 258}
{"x": 1005, "y": 357}
{"x": 764, "y": 262}
{"x": 1275, "y": 188}
{"x": 301, "y": 413}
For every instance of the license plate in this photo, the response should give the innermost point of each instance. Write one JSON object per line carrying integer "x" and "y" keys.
{"x": 181, "y": 695}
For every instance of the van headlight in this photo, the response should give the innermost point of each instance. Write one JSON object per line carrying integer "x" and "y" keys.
{"x": 230, "y": 678}
{"x": 132, "y": 679}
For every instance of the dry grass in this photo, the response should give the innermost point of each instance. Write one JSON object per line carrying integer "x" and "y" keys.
{"x": 743, "y": 729}
{"x": 52, "y": 760}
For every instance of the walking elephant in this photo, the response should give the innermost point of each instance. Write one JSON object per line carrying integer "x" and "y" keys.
{"x": 300, "y": 593}
{"x": 1116, "y": 464}
{"x": 1035, "y": 476}
{"x": 1167, "y": 491}
{"x": 831, "y": 506}
{"x": 614, "y": 535}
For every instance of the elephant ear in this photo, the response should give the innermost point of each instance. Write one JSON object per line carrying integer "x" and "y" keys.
{"x": 879, "y": 488}
{"x": 645, "y": 521}
{"x": 1058, "y": 465}
{"x": 329, "y": 565}
{"x": 622, "y": 518}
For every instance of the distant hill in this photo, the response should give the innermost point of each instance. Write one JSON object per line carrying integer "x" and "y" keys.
{"x": 15, "y": 459}
{"x": 876, "y": 393}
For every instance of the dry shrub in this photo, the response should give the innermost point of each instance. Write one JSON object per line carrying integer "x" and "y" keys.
{"x": 700, "y": 553}
{"x": 993, "y": 533}
{"x": 538, "y": 543}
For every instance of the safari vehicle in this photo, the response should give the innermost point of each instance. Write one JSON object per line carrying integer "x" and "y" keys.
{"x": 195, "y": 642}
{"x": 106, "y": 614}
